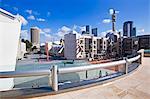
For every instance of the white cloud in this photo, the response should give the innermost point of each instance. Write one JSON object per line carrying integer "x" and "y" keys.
{"x": 74, "y": 27}
{"x": 140, "y": 31}
{"x": 24, "y": 34}
{"x": 28, "y": 11}
{"x": 63, "y": 30}
{"x": 31, "y": 17}
{"x": 103, "y": 34}
{"x": 45, "y": 35}
{"x": 24, "y": 21}
{"x": 47, "y": 30}
{"x": 82, "y": 28}
{"x": 116, "y": 11}
{"x": 15, "y": 8}
{"x": 120, "y": 30}
{"x": 32, "y": 12}
{"x": 106, "y": 21}
{"x": 40, "y": 19}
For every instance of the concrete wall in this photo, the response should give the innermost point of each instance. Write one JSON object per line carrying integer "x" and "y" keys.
{"x": 9, "y": 38}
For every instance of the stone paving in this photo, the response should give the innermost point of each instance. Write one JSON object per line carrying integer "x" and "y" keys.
{"x": 134, "y": 86}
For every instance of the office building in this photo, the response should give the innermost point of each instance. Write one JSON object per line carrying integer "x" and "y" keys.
{"x": 144, "y": 41}
{"x": 87, "y": 29}
{"x": 35, "y": 36}
{"x": 133, "y": 34}
{"x": 94, "y": 31}
{"x": 70, "y": 46}
{"x": 127, "y": 28}
{"x": 130, "y": 45}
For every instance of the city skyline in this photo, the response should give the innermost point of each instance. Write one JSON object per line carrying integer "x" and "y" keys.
{"x": 58, "y": 17}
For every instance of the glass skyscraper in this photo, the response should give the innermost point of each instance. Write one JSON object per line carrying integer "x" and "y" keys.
{"x": 94, "y": 31}
{"x": 127, "y": 28}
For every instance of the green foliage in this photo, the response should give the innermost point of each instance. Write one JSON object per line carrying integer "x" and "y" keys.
{"x": 28, "y": 44}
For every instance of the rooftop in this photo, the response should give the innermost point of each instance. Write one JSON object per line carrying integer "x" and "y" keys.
{"x": 132, "y": 86}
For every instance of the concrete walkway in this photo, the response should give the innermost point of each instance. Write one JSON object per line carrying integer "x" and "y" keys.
{"x": 134, "y": 86}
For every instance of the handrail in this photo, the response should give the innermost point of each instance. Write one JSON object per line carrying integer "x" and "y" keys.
{"x": 134, "y": 58}
{"x": 12, "y": 74}
{"x": 95, "y": 66}
{"x": 90, "y": 67}
{"x": 54, "y": 71}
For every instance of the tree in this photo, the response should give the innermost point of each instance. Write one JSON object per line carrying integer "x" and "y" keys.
{"x": 28, "y": 44}
{"x": 34, "y": 48}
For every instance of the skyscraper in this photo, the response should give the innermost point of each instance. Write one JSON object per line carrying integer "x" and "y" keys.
{"x": 127, "y": 28}
{"x": 133, "y": 33}
{"x": 94, "y": 31}
{"x": 35, "y": 36}
{"x": 87, "y": 29}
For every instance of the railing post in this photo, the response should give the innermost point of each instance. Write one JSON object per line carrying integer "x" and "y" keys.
{"x": 140, "y": 59}
{"x": 126, "y": 65}
{"x": 86, "y": 74}
{"x": 54, "y": 78}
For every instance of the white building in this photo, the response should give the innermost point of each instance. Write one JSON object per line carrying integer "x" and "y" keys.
{"x": 104, "y": 44}
{"x": 84, "y": 48}
{"x": 87, "y": 46}
{"x": 70, "y": 46}
{"x": 90, "y": 46}
{"x": 21, "y": 50}
{"x": 10, "y": 27}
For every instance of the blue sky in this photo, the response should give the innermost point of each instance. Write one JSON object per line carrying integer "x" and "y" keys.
{"x": 54, "y": 17}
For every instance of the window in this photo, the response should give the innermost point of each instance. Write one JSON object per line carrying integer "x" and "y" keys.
{"x": 81, "y": 41}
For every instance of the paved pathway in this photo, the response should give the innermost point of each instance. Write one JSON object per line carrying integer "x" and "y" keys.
{"x": 134, "y": 86}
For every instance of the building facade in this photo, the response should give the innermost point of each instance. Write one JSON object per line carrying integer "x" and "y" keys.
{"x": 127, "y": 28}
{"x": 35, "y": 37}
{"x": 133, "y": 34}
{"x": 70, "y": 46}
{"x": 87, "y": 29}
{"x": 144, "y": 41}
{"x": 21, "y": 50}
{"x": 94, "y": 31}
{"x": 91, "y": 47}
{"x": 10, "y": 28}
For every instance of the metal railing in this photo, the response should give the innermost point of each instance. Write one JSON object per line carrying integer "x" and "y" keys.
{"x": 54, "y": 71}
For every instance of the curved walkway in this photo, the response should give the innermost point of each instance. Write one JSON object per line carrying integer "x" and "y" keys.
{"x": 134, "y": 86}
